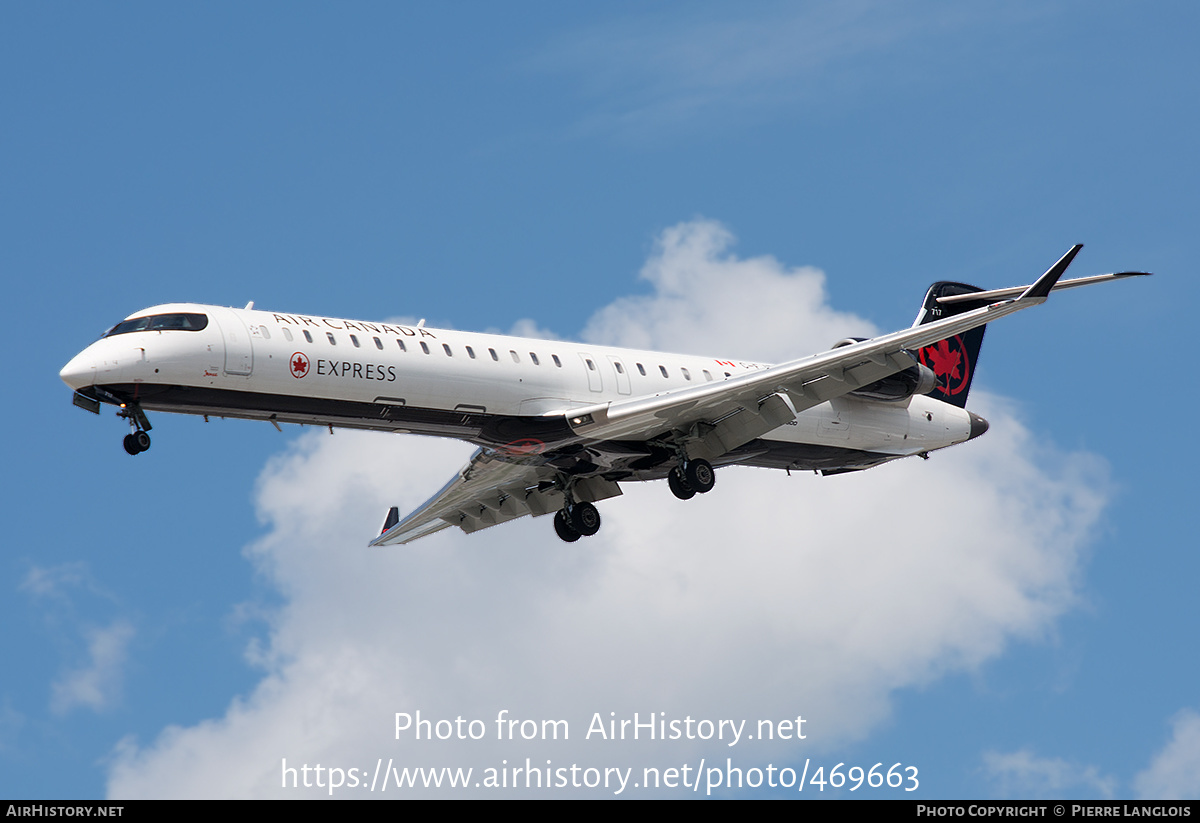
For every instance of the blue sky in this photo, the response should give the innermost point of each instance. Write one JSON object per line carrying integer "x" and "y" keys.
{"x": 689, "y": 175}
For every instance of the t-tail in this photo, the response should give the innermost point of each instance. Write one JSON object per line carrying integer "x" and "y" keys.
{"x": 953, "y": 360}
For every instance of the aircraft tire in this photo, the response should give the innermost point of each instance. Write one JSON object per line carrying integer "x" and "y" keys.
{"x": 564, "y": 529}
{"x": 142, "y": 440}
{"x": 700, "y": 475}
{"x": 679, "y": 486}
{"x": 131, "y": 446}
{"x": 585, "y": 519}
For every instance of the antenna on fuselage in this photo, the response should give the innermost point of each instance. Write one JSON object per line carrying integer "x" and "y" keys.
{"x": 249, "y": 306}
{"x": 421, "y": 323}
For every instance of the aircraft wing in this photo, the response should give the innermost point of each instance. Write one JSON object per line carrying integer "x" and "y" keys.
{"x": 494, "y": 487}
{"x": 709, "y": 419}
{"x": 723, "y": 415}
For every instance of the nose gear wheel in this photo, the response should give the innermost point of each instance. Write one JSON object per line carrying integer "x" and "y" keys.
{"x": 137, "y": 441}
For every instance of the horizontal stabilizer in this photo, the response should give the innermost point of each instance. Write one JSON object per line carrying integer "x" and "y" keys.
{"x": 1015, "y": 291}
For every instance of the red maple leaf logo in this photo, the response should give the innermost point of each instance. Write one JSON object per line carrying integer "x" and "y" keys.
{"x": 299, "y": 365}
{"x": 524, "y": 446}
{"x": 948, "y": 360}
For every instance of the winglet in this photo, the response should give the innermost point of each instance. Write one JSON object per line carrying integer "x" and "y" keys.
{"x": 1041, "y": 289}
{"x": 393, "y": 517}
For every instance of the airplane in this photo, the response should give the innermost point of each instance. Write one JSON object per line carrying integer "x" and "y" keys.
{"x": 559, "y": 426}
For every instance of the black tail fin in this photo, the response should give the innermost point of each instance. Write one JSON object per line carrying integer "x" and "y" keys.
{"x": 953, "y": 360}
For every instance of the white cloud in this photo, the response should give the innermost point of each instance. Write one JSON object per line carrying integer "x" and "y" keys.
{"x": 94, "y": 683}
{"x": 97, "y": 683}
{"x": 526, "y": 327}
{"x": 1174, "y": 773}
{"x": 55, "y": 581}
{"x": 771, "y": 597}
{"x": 708, "y": 301}
{"x": 1023, "y": 774}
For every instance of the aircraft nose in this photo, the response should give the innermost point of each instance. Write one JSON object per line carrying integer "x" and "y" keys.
{"x": 978, "y": 425}
{"x": 80, "y": 372}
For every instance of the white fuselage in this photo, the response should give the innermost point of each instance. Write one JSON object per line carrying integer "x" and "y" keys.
{"x": 394, "y": 377}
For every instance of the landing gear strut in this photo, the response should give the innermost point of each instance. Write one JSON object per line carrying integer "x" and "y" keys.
{"x": 137, "y": 441}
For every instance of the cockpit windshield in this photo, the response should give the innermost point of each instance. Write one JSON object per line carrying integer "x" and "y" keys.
{"x": 160, "y": 322}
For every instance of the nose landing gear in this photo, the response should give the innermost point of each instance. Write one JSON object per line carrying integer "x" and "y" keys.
{"x": 137, "y": 441}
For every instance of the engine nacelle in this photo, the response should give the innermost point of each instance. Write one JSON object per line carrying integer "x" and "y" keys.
{"x": 916, "y": 379}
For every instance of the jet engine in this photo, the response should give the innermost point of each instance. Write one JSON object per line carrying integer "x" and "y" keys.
{"x": 916, "y": 379}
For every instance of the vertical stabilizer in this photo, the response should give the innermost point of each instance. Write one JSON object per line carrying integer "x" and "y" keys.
{"x": 953, "y": 360}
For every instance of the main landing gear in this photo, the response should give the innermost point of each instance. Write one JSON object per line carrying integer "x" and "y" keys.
{"x": 574, "y": 522}
{"x": 137, "y": 441}
{"x": 692, "y": 478}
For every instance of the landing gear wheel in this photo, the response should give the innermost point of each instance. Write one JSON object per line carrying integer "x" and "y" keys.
{"x": 700, "y": 475}
{"x": 564, "y": 529}
{"x": 136, "y": 442}
{"x": 585, "y": 519}
{"x": 679, "y": 486}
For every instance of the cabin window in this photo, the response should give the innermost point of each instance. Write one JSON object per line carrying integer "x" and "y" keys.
{"x": 663, "y": 369}
{"x": 495, "y": 356}
{"x": 533, "y": 357}
{"x": 516, "y": 357}
{"x": 446, "y": 348}
{"x": 287, "y": 334}
{"x": 378, "y": 343}
{"x": 470, "y": 352}
{"x": 424, "y": 347}
{"x": 332, "y": 339}
{"x": 557, "y": 362}
{"x": 686, "y": 374}
{"x": 399, "y": 343}
{"x": 591, "y": 366}
{"x": 641, "y": 369}
{"x": 354, "y": 340}
{"x": 265, "y": 332}
{"x": 707, "y": 375}
{"x": 307, "y": 336}
{"x": 620, "y": 368}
